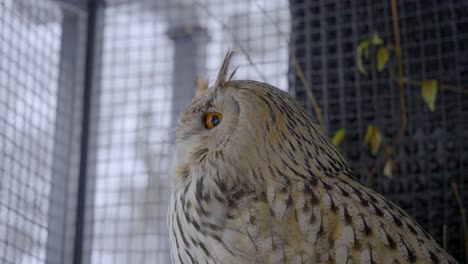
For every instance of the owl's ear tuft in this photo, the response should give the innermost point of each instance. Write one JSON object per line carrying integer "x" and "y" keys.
{"x": 201, "y": 85}
{"x": 222, "y": 78}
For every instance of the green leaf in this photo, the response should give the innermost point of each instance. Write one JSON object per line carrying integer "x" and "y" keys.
{"x": 429, "y": 93}
{"x": 389, "y": 168}
{"x": 338, "y": 137}
{"x": 362, "y": 49}
{"x": 376, "y": 39}
{"x": 373, "y": 138}
{"x": 382, "y": 58}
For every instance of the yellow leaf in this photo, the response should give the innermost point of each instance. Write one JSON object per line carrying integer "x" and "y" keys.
{"x": 369, "y": 132}
{"x": 376, "y": 39}
{"x": 429, "y": 93}
{"x": 366, "y": 53}
{"x": 363, "y": 48}
{"x": 373, "y": 137}
{"x": 389, "y": 168}
{"x": 338, "y": 137}
{"x": 382, "y": 58}
{"x": 375, "y": 141}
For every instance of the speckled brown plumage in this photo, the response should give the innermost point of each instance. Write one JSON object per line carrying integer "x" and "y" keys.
{"x": 267, "y": 186}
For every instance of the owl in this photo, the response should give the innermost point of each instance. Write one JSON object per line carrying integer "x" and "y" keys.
{"x": 256, "y": 180}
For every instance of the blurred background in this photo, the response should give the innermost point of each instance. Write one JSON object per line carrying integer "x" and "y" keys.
{"x": 90, "y": 92}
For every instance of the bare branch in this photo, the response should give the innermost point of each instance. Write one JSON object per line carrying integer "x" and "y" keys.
{"x": 205, "y": 8}
{"x": 463, "y": 215}
{"x": 298, "y": 69}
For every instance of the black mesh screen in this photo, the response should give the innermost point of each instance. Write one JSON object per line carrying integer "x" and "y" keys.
{"x": 433, "y": 151}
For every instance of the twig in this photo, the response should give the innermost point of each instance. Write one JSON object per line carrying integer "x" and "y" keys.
{"x": 298, "y": 69}
{"x": 381, "y": 159}
{"x": 444, "y": 236}
{"x": 265, "y": 13}
{"x": 401, "y": 86}
{"x": 463, "y": 215}
{"x": 236, "y": 41}
{"x": 441, "y": 85}
{"x": 308, "y": 89}
{"x": 453, "y": 88}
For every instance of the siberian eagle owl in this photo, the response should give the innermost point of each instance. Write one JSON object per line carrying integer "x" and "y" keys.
{"x": 256, "y": 180}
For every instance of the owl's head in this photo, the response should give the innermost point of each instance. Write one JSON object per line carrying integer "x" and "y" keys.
{"x": 239, "y": 127}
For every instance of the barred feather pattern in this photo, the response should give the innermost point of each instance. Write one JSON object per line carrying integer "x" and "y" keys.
{"x": 267, "y": 186}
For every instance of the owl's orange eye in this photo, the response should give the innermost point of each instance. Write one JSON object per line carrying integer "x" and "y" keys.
{"x": 212, "y": 119}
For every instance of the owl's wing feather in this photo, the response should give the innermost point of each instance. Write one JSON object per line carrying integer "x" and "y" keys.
{"x": 326, "y": 219}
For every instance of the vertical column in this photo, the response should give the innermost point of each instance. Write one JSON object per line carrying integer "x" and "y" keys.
{"x": 189, "y": 63}
{"x": 65, "y": 151}
{"x": 63, "y": 125}
{"x": 84, "y": 228}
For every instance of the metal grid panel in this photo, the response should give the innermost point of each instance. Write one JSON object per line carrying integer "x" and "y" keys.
{"x": 38, "y": 84}
{"x": 325, "y": 37}
{"x": 151, "y": 54}
{"x": 148, "y": 54}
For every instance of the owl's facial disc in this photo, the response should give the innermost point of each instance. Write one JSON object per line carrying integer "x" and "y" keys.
{"x": 208, "y": 122}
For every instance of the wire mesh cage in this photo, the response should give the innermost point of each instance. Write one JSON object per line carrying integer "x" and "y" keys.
{"x": 90, "y": 92}
{"x": 431, "y": 157}
{"x": 152, "y": 53}
{"x": 41, "y": 47}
